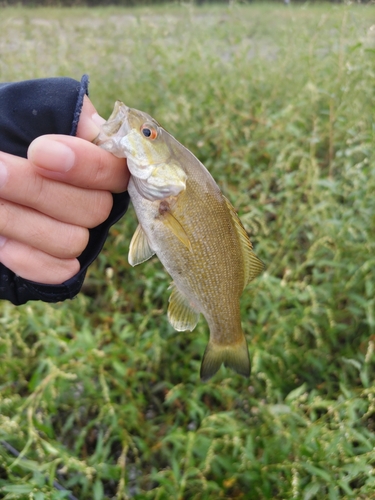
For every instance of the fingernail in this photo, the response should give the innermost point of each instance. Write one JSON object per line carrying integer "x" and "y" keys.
{"x": 3, "y": 240}
{"x": 51, "y": 155}
{"x": 3, "y": 174}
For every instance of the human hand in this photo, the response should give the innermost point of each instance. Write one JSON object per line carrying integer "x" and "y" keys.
{"x": 49, "y": 201}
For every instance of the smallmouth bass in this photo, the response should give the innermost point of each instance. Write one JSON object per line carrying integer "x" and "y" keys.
{"x": 187, "y": 222}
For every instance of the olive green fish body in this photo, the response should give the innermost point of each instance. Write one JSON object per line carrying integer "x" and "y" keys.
{"x": 205, "y": 273}
{"x": 186, "y": 221}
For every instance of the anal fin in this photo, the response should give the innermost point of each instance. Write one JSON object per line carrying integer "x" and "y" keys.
{"x": 181, "y": 313}
{"x": 139, "y": 250}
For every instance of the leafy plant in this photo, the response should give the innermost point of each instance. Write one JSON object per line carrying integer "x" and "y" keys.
{"x": 100, "y": 394}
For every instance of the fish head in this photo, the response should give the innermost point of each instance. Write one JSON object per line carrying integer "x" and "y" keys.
{"x": 135, "y": 135}
{"x": 139, "y": 138}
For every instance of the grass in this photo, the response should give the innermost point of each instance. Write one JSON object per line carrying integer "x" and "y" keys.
{"x": 100, "y": 393}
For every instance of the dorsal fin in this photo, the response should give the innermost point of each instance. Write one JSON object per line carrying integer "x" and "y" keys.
{"x": 252, "y": 265}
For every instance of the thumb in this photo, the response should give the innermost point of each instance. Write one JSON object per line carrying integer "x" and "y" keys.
{"x": 89, "y": 121}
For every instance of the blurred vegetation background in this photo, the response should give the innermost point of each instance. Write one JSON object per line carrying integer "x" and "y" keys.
{"x": 99, "y": 393}
{"x": 132, "y": 3}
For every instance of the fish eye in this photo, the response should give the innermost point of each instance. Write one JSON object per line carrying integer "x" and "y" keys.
{"x": 149, "y": 131}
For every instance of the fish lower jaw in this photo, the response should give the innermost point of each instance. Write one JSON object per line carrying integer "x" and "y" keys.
{"x": 137, "y": 169}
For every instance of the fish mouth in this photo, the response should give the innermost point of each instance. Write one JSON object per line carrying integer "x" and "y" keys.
{"x": 118, "y": 123}
{"x": 120, "y": 134}
{"x": 117, "y": 126}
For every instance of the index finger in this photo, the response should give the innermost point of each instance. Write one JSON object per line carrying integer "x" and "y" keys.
{"x": 76, "y": 161}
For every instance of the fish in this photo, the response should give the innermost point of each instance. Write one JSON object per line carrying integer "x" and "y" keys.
{"x": 192, "y": 228}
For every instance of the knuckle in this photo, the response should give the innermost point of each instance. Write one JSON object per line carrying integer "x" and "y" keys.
{"x": 3, "y": 218}
{"x": 101, "y": 206}
{"x": 6, "y": 218}
{"x": 67, "y": 269}
{"x": 35, "y": 191}
{"x": 74, "y": 241}
{"x": 99, "y": 173}
{"x": 109, "y": 172}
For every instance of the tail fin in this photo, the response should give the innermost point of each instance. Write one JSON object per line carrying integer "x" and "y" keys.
{"x": 235, "y": 356}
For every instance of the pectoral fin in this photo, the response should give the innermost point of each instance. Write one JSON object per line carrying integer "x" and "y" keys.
{"x": 181, "y": 314}
{"x": 252, "y": 265}
{"x": 139, "y": 249}
{"x": 170, "y": 221}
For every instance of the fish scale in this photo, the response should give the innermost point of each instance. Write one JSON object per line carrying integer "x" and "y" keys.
{"x": 186, "y": 221}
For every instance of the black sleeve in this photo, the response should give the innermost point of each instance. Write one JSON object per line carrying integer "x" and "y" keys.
{"x": 29, "y": 109}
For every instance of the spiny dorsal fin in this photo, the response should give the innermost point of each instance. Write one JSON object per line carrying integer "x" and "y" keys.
{"x": 252, "y": 265}
{"x": 139, "y": 249}
{"x": 181, "y": 314}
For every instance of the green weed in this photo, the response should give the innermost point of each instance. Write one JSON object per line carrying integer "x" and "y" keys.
{"x": 100, "y": 393}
